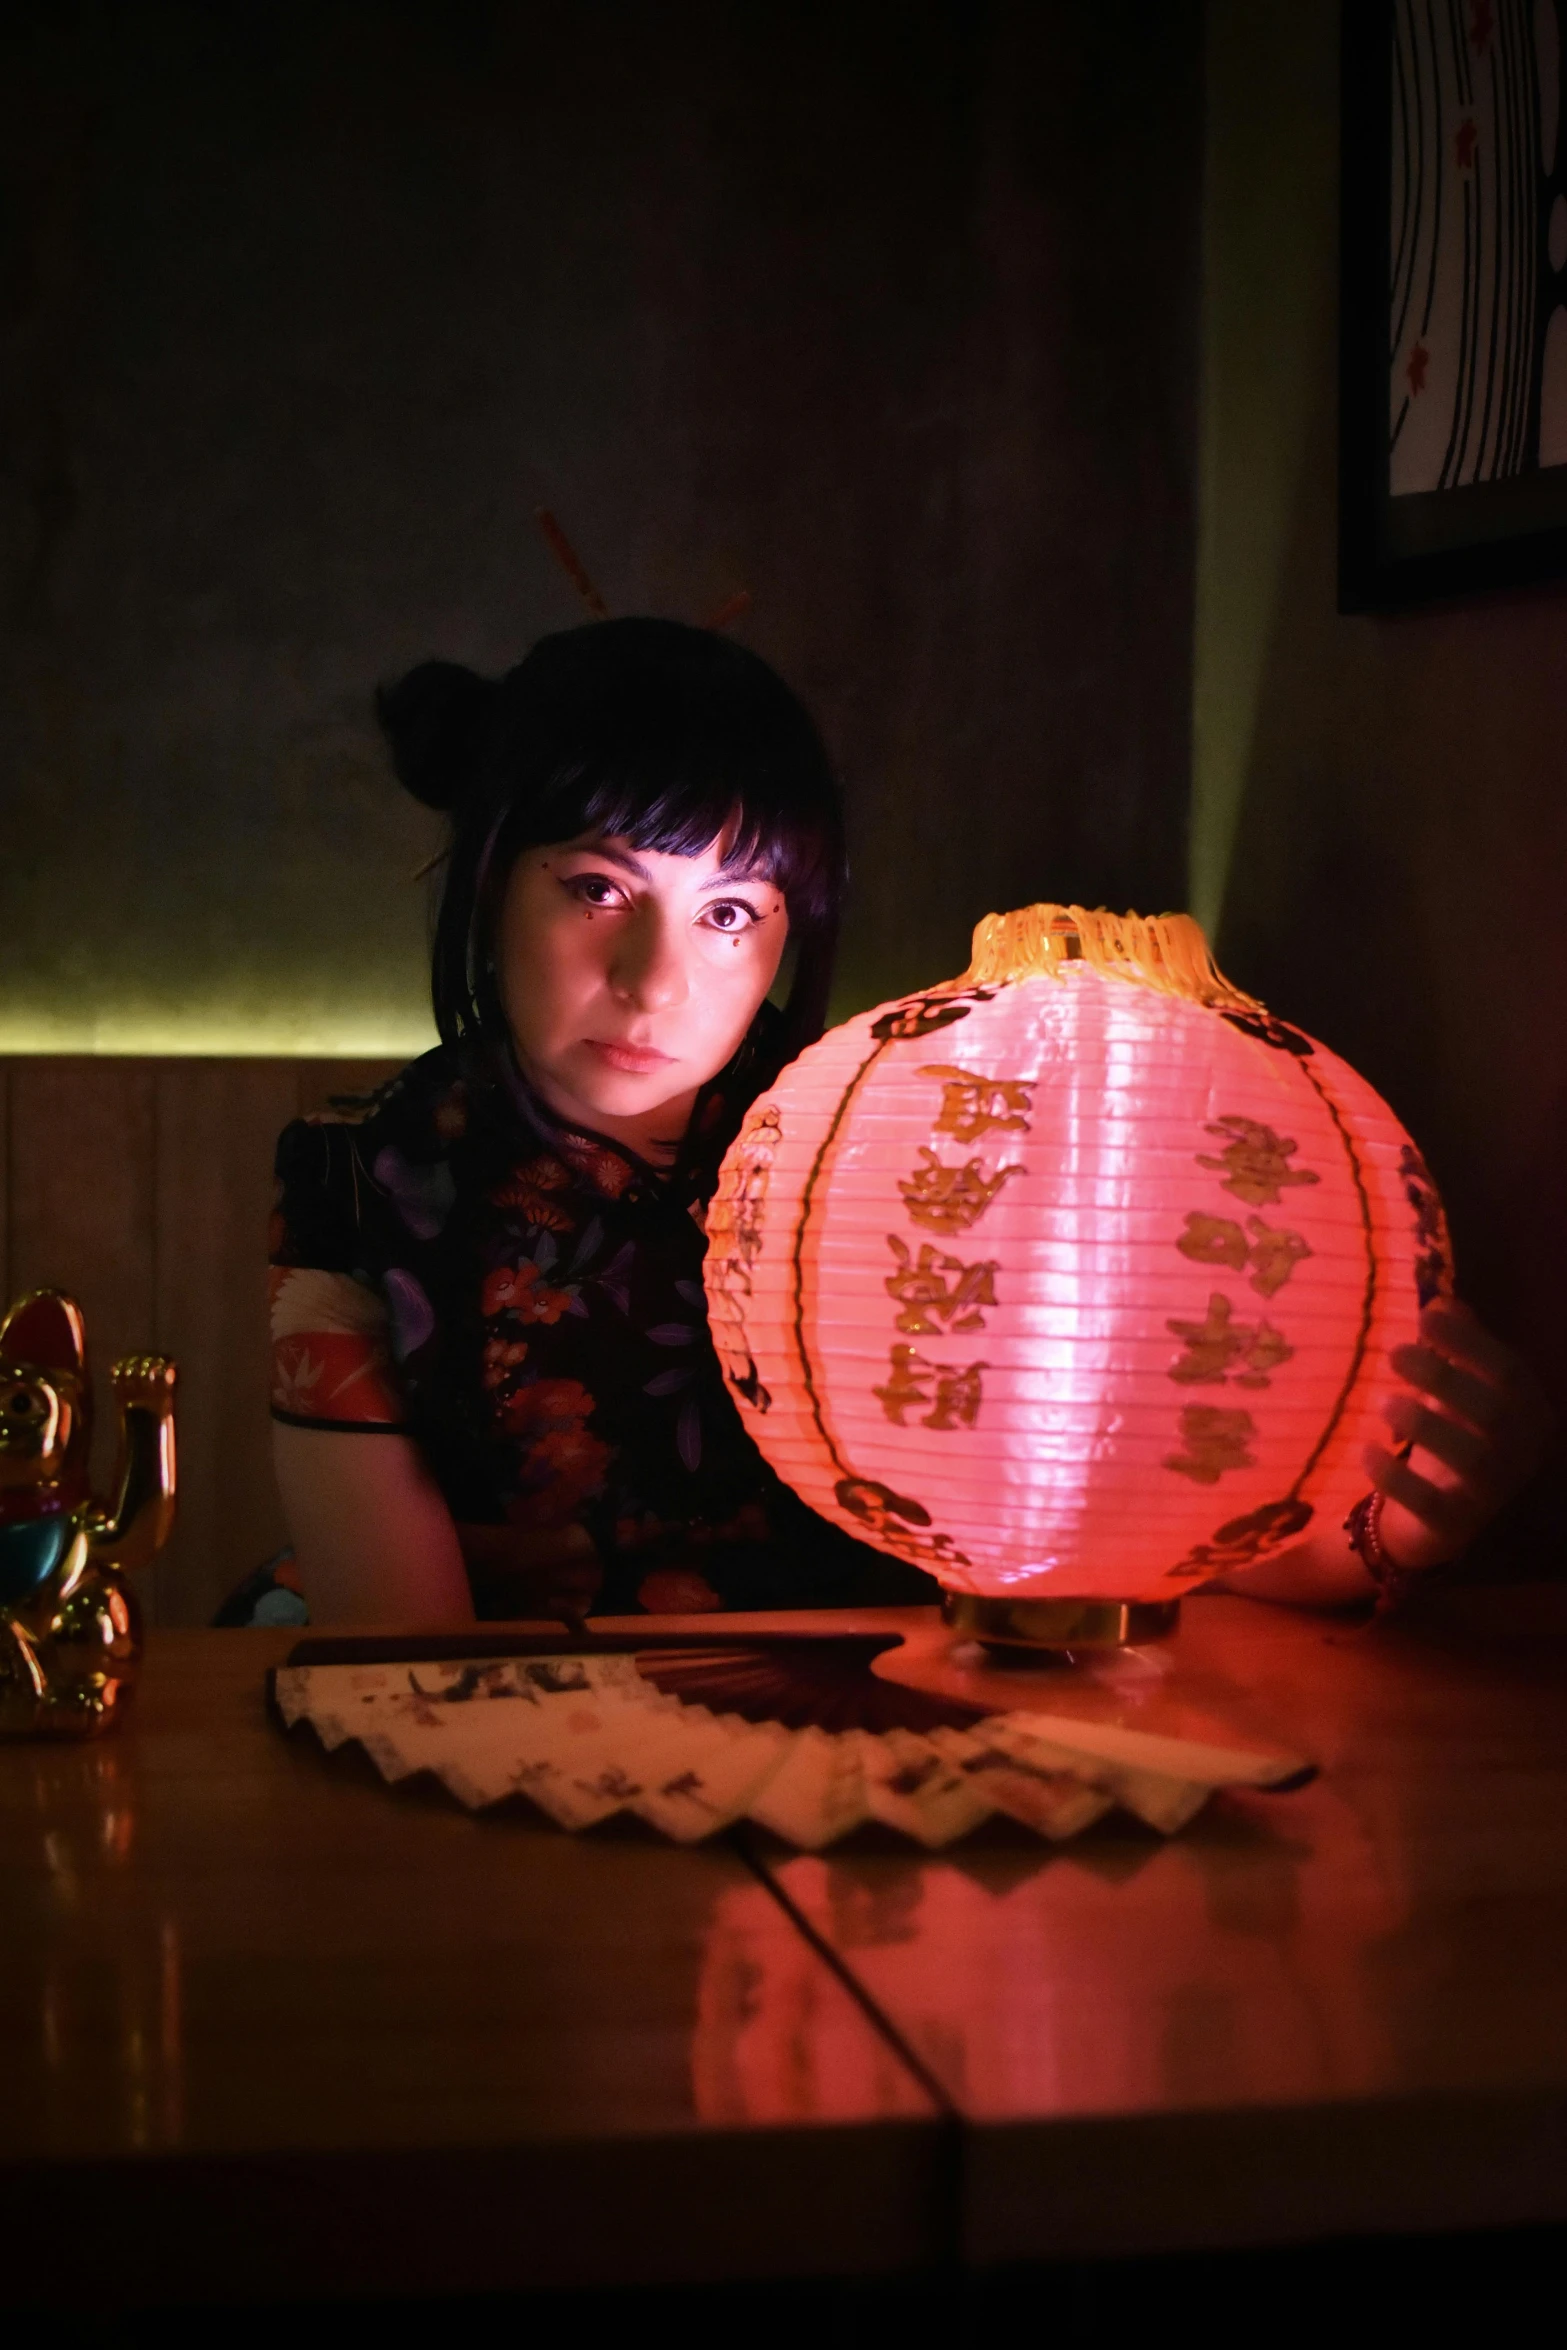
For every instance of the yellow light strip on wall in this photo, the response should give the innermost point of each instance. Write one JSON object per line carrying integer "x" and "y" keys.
{"x": 220, "y": 1036}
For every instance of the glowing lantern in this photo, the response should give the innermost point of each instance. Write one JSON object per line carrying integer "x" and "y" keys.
{"x": 1075, "y": 1278}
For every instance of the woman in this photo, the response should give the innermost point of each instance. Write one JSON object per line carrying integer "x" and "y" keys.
{"x": 495, "y": 1391}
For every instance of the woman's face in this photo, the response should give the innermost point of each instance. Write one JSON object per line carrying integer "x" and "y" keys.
{"x": 629, "y": 977}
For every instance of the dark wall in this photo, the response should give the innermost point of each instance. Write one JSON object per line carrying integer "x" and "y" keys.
{"x": 886, "y": 313}
{"x": 1380, "y": 802}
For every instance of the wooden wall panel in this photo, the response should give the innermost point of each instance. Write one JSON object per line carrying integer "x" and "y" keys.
{"x": 143, "y": 1187}
{"x": 81, "y": 1205}
{"x": 217, "y": 1124}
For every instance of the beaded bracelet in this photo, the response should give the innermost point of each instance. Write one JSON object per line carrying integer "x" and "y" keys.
{"x": 1364, "y": 1528}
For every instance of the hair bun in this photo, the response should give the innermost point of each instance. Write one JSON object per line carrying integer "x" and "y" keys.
{"x": 435, "y": 721}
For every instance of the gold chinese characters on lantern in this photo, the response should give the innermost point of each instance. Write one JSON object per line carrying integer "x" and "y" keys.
{"x": 70, "y": 1639}
{"x": 1076, "y": 1278}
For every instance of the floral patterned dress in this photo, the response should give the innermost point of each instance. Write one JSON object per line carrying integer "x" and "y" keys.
{"x": 525, "y": 1300}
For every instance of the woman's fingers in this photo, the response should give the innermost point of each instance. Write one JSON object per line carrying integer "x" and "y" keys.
{"x": 1422, "y": 1524}
{"x": 1477, "y": 1410}
{"x": 1475, "y": 1399}
{"x": 1470, "y": 1455}
{"x": 1519, "y": 1404}
{"x": 1464, "y": 1370}
{"x": 1457, "y": 1332}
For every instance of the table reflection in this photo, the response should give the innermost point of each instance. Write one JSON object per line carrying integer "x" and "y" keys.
{"x": 776, "y": 2037}
{"x": 94, "y": 1977}
{"x": 1124, "y": 1972}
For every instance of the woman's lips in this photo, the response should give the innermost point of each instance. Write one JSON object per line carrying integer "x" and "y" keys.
{"x": 635, "y": 1060}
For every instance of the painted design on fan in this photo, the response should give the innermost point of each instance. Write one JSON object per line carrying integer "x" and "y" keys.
{"x": 801, "y": 1735}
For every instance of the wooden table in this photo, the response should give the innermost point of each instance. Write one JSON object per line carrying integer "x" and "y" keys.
{"x": 1338, "y": 2011}
{"x": 280, "y": 2030}
{"x": 285, "y": 2031}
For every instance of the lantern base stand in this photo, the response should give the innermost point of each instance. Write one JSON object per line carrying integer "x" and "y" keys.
{"x": 1058, "y": 1623}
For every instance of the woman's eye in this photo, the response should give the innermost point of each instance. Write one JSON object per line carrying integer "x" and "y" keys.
{"x": 594, "y": 889}
{"x": 731, "y": 914}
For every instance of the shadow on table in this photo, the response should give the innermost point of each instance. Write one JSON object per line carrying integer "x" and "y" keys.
{"x": 1498, "y": 2280}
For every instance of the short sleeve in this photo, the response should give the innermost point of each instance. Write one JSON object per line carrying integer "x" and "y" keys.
{"x": 332, "y": 1364}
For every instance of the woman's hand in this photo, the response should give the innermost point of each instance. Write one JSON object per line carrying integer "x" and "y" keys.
{"x": 1471, "y": 1430}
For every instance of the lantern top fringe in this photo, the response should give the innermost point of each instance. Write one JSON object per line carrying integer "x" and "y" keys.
{"x": 1163, "y": 951}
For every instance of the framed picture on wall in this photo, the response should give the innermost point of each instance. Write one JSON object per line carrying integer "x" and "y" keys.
{"x": 1453, "y": 391}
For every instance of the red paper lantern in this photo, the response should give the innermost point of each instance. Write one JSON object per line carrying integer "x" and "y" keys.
{"x": 1076, "y": 1277}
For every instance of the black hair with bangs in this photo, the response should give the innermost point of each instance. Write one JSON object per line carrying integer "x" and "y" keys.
{"x": 646, "y": 729}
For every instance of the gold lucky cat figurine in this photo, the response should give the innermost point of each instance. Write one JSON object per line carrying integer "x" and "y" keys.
{"x": 70, "y": 1628}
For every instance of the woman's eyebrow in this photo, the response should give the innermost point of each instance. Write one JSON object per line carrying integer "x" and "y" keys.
{"x": 611, "y": 856}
